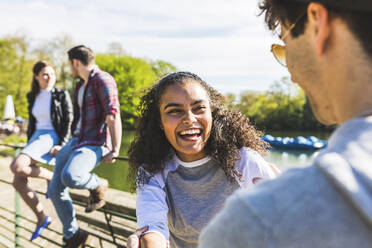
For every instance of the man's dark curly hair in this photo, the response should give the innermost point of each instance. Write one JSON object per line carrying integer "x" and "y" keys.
{"x": 230, "y": 132}
{"x": 278, "y": 12}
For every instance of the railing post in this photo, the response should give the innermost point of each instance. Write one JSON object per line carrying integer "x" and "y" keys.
{"x": 17, "y": 211}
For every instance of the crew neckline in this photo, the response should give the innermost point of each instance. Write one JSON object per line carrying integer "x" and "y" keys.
{"x": 49, "y": 89}
{"x": 193, "y": 163}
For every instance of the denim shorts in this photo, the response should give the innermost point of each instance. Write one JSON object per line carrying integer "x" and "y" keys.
{"x": 40, "y": 144}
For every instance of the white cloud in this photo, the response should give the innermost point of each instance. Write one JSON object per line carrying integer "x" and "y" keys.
{"x": 222, "y": 41}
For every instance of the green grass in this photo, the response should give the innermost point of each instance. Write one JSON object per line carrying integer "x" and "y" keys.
{"x": 7, "y": 152}
{"x": 14, "y": 139}
{"x": 11, "y": 140}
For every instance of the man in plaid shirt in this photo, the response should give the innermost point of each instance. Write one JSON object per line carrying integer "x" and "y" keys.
{"x": 96, "y": 135}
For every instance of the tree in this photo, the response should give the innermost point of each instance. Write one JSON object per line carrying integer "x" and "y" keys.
{"x": 283, "y": 107}
{"x": 55, "y": 52}
{"x": 132, "y": 76}
{"x": 116, "y": 48}
{"x": 231, "y": 101}
{"x": 15, "y": 72}
{"x": 161, "y": 68}
{"x": 246, "y": 101}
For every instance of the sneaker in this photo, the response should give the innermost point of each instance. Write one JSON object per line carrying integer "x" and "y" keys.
{"x": 40, "y": 229}
{"x": 96, "y": 199}
{"x": 78, "y": 240}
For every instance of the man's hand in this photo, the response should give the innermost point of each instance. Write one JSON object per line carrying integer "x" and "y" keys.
{"x": 133, "y": 240}
{"x": 55, "y": 150}
{"x": 110, "y": 157}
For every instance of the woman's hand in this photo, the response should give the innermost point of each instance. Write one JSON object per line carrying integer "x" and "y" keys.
{"x": 133, "y": 240}
{"x": 55, "y": 150}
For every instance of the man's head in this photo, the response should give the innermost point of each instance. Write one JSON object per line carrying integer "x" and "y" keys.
{"x": 327, "y": 41}
{"x": 80, "y": 56}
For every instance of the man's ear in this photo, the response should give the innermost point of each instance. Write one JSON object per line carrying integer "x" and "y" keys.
{"x": 319, "y": 22}
{"x": 75, "y": 62}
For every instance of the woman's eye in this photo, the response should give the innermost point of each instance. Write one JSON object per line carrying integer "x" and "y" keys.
{"x": 174, "y": 111}
{"x": 200, "y": 108}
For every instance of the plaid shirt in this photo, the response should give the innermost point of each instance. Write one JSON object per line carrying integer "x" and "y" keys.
{"x": 100, "y": 99}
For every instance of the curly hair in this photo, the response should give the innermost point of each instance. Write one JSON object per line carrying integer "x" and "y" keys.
{"x": 230, "y": 132}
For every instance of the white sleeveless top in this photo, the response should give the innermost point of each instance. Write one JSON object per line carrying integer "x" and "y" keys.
{"x": 41, "y": 110}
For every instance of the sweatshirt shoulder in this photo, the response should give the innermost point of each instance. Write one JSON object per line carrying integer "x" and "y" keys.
{"x": 263, "y": 207}
{"x": 267, "y": 196}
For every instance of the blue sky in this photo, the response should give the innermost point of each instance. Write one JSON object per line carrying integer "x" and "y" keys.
{"x": 223, "y": 41}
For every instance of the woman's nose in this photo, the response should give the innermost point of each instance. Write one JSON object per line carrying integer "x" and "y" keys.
{"x": 189, "y": 118}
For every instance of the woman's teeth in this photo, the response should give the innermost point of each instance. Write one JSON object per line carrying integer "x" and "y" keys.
{"x": 190, "y": 132}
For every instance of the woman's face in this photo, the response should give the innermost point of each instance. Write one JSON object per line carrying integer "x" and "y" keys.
{"x": 46, "y": 77}
{"x": 186, "y": 119}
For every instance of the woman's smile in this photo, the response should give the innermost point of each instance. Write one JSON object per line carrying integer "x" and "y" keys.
{"x": 191, "y": 134}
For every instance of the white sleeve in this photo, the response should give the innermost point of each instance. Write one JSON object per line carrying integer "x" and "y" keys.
{"x": 252, "y": 165}
{"x": 152, "y": 208}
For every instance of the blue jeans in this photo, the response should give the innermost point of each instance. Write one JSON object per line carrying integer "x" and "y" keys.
{"x": 72, "y": 169}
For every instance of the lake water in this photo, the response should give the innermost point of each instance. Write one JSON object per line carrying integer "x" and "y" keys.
{"x": 117, "y": 173}
{"x": 286, "y": 159}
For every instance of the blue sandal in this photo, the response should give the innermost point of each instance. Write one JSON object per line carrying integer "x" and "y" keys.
{"x": 40, "y": 229}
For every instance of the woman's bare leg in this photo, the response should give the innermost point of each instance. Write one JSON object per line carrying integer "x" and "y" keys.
{"x": 30, "y": 198}
{"x": 23, "y": 168}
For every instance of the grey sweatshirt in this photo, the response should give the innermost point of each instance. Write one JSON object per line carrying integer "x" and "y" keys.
{"x": 178, "y": 202}
{"x": 328, "y": 204}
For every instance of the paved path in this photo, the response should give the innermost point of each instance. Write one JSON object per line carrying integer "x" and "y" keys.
{"x": 7, "y": 201}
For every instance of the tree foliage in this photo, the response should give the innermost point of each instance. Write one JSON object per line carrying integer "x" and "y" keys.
{"x": 15, "y": 73}
{"x": 132, "y": 76}
{"x": 161, "y": 68}
{"x": 55, "y": 52}
{"x": 283, "y": 107}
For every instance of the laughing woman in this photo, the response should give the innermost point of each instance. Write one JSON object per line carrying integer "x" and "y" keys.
{"x": 50, "y": 117}
{"x": 189, "y": 155}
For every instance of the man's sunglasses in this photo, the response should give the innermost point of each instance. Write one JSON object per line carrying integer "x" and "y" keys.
{"x": 279, "y": 50}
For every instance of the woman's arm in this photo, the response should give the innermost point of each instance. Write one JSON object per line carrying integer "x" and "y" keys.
{"x": 152, "y": 211}
{"x": 148, "y": 240}
{"x": 275, "y": 169}
{"x": 153, "y": 240}
{"x": 254, "y": 168}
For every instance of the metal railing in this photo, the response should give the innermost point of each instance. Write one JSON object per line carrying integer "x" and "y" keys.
{"x": 111, "y": 231}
